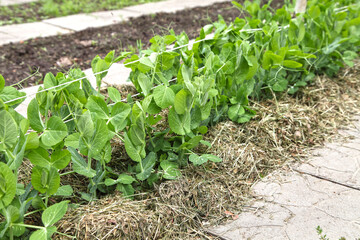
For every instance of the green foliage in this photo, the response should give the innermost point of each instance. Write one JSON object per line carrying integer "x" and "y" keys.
{"x": 256, "y": 57}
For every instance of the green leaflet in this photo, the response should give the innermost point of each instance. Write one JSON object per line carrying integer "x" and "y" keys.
{"x": 182, "y": 101}
{"x": 292, "y": 64}
{"x": 180, "y": 124}
{"x": 98, "y": 107}
{"x": 34, "y": 116}
{"x": 65, "y": 191}
{"x": 114, "y": 94}
{"x": 164, "y": 96}
{"x": 54, "y": 213}
{"x": 55, "y": 131}
{"x": 131, "y": 150}
{"x": 79, "y": 164}
{"x": 171, "y": 170}
{"x": 60, "y": 159}
{"x": 119, "y": 115}
{"x": 45, "y": 180}
{"x": 43, "y": 234}
{"x": 145, "y": 167}
{"x": 123, "y": 179}
{"x": 7, "y": 185}
{"x": 10, "y": 94}
{"x": 198, "y": 160}
{"x": 2, "y": 82}
{"x": 8, "y": 131}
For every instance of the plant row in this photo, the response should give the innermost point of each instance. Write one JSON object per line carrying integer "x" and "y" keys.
{"x": 70, "y": 126}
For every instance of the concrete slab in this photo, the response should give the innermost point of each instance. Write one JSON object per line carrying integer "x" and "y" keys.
{"x": 170, "y": 6}
{"x": 14, "y": 2}
{"x": 22, "y": 32}
{"x": 290, "y": 205}
{"x": 7, "y": 38}
{"x": 81, "y": 22}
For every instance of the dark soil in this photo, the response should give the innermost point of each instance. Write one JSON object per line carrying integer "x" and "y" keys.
{"x": 59, "y": 53}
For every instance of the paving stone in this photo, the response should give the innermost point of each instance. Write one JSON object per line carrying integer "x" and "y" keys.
{"x": 83, "y": 21}
{"x": 290, "y": 205}
{"x": 269, "y": 219}
{"x": 170, "y": 6}
{"x": 118, "y": 75}
{"x": 7, "y": 38}
{"x": 14, "y": 2}
{"x": 22, "y": 32}
{"x": 303, "y": 226}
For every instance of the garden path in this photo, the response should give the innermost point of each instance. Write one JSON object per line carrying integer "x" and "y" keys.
{"x": 323, "y": 191}
{"x": 78, "y": 22}
{"x": 14, "y": 2}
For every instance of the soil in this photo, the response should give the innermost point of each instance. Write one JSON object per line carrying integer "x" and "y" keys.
{"x": 60, "y": 53}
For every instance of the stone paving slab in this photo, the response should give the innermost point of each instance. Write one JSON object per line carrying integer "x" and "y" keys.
{"x": 14, "y": 2}
{"x": 290, "y": 205}
{"x": 81, "y": 22}
{"x": 22, "y": 32}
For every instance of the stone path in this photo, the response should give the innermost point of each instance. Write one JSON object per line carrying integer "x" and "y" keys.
{"x": 78, "y": 22}
{"x": 324, "y": 191}
{"x": 14, "y": 2}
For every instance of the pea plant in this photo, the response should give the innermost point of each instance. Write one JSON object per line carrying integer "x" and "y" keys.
{"x": 71, "y": 127}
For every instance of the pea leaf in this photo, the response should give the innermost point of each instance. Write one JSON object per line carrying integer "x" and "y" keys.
{"x": 45, "y": 180}
{"x": 43, "y": 234}
{"x": 146, "y": 166}
{"x": 2, "y": 82}
{"x": 114, "y": 94}
{"x": 55, "y": 131}
{"x": 212, "y": 158}
{"x": 50, "y": 81}
{"x": 98, "y": 107}
{"x": 32, "y": 141}
{"x": 65, "y": 191}
{"x": 8, "y": 131}
{"x": 131, "y": 150}
{"x": 197, "y": 160}
{"x": 39, "y": 157}
{"x": 34, "y": 117}
{"x": 79, "y": 164}
{"x": 235, "y": 111}
{"x": 119, "y": 114}
{"x": 176, "y": 122}
{"x": 60, "y": 158}
{"x": 171, "y": 170}
{"x": 292, "y": 64}
{"x": 7, "y": 185}
{"x": 54, "y": 213}
{"x": 123, "y": 178}
{"x": 181, "y": 101}
{"x": 145, "y": 83}
{"x": 10, "y": 94}
{"x": 99, "y": 138}
{"x": 72, "y": 140}
{"x": 164, "y": 96}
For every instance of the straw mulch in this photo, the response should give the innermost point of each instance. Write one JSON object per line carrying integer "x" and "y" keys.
{"x": 284, "y": 131}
